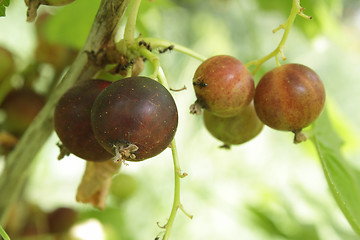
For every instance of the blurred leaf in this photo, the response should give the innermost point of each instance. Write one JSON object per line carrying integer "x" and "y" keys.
{"x": 343, "y": 179}
{"x": 150, "y": 15}
{"x": 328, "y": 215}
{"x": 3, "y": 5}
{"x": 280, "y": 5}
{"x": 113, "y": 220}
{"x": 146, "y": 5}
{"x": 282, "y": 224}
{"x": 71, "y": 25}
{"x": 5, "y": 2}
{"x": 263, "y": 220}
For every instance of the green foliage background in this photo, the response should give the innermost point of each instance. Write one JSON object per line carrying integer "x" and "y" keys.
{"x": 268, "y": 188}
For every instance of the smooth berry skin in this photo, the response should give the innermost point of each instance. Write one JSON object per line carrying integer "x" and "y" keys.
{"x": 61, "y": 219}
{"x": 72, "y": 120}
{"x": 135, "y": 111}
{"x": 21, "y": 107}
{"x": 234, "y": 130}
{"x": 223, "y": 85}
{"x": 289, "y": 97}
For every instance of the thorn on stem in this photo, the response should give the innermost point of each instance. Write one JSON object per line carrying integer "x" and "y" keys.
{"x": 178, "y": 90}
{"x": 186, "y": 213}
{"x": 161, "y": 226}
{"x": 301, "y": 13}
{"x": 181, "y": 175}
{"x": 281, "y": 26}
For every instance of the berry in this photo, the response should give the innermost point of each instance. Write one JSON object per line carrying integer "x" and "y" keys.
{"x": 123, "y": 186}
{"x": 234, "y": 130}
{"x": 72, "y": 120}
{"x": 61, "y": 219}
{"x": 21, "y": 107}
{"x": 289, "y": 98}
{"x": 223, "y": 86}
{"x": 134, "y": 118}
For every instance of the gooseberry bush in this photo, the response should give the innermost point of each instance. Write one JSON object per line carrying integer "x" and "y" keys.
{"x": 112, "y": 106}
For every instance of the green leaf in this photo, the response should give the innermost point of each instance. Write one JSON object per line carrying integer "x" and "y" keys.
{"x": 3, "y": 5}
{"x": 264, "y": 220}
{"x": 283, "y": 224}
{"x": 71, "y": 25}
{"x": 343, "y": 179}
{"x": 2, "y": 11}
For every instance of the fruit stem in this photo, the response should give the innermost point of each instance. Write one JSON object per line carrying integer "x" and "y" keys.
{"x": 176, "y": 204}
{"x": 296, "y": 9}
{"x": 160, "y": 43}
{"x": 299, "y": 136}
{"x": 154, "y": 61}
{"x": 162, "y": 78}
{"x": 4, "y": 234}
{"x": 177, "y": 174}
{"x": 131, "y": 23}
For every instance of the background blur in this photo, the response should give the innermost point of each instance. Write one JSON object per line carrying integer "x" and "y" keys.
{"x": 268, "y": 188}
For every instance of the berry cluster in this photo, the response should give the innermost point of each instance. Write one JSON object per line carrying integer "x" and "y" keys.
{"x": 289, "y": 98}
{"x": 134, "y": 119}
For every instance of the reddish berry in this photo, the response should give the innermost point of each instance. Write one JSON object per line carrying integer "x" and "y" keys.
{"x": 61, "y": 219}
{"x": 223, "y": 86}
{"x": 21, "y": 107}
{"x": 289, "y": 97}
{"x": 135, "y": 118}
{"x": 72, "y": 120}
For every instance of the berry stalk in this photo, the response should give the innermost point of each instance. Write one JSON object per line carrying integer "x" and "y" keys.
{"x": 131, "y": 22}
{"x": 296, "y": 9}
{"x": 144, "y": 47}
{"x": 154, "y": 60}
{"x": 3, "y": 234}
{"x": 156, "y": 43}
{"x": 176, "y": 203}
{"x": 177, "y": 175}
